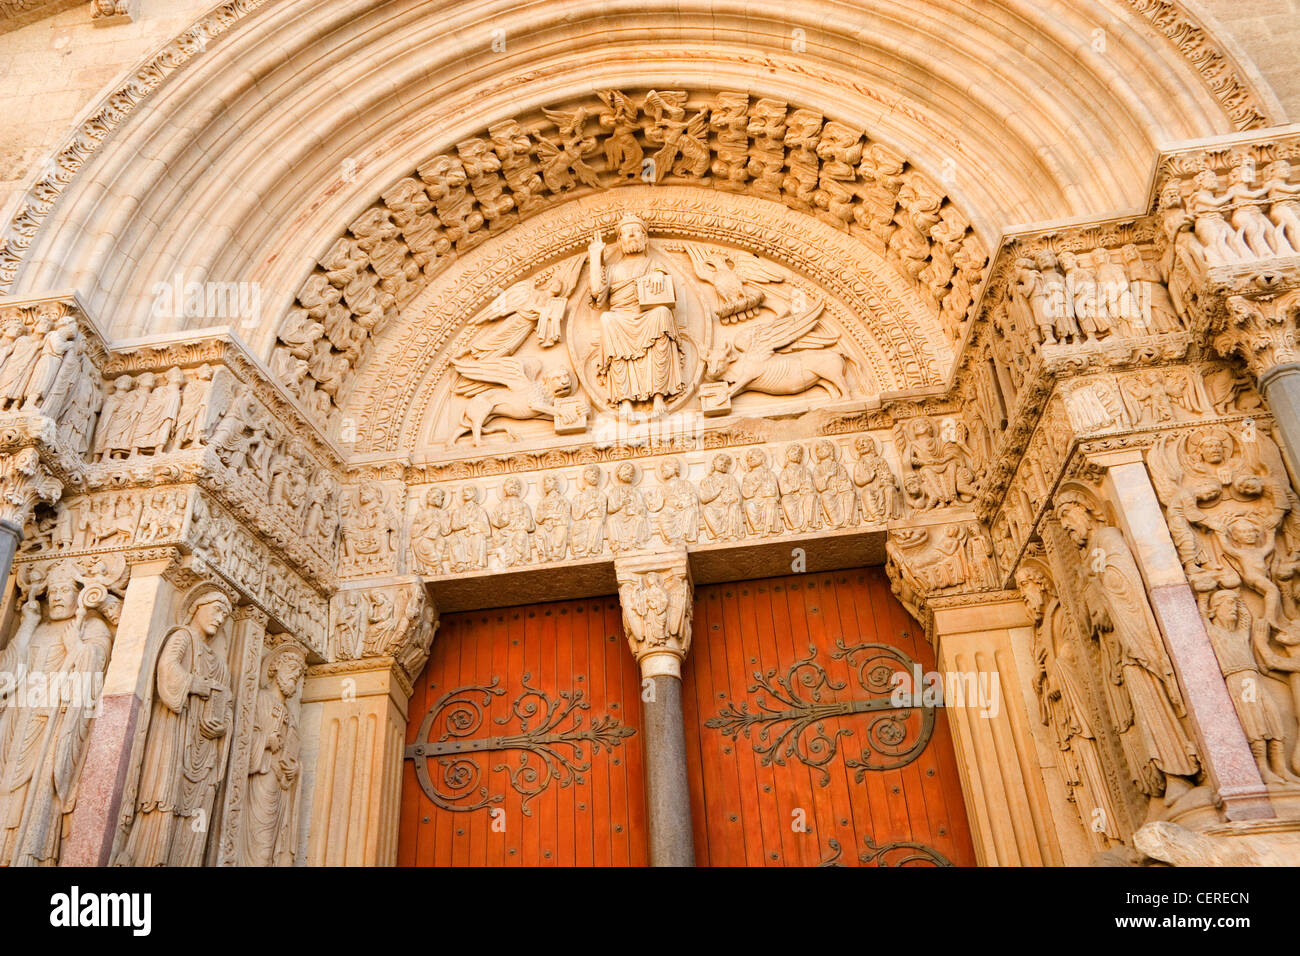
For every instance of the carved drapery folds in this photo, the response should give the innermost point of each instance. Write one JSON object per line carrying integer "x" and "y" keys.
{"x": 657, "y": 597}
{"x": 51, "y": 668}
{"x": 273, "y": 796}
{"x": 186, "y": 740}
{"x": 1161, "y": 756}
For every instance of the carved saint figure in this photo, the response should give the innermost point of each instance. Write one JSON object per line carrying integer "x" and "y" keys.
{"x": 1064, "y": 706}
{"x": 270, "y": 825}
{"x": 63, "y": 639}
{"x": 881, "y": 497}
{"x": 798, "y": 498}
{"x": 1163, "y": 759}
{"x": 158, "y": 415}
{"x": 430, "y": 530}
{"x": 185, "y": 751}
{"x": 514, "y": 519}
{"x": 678, "y": 505}
{"x": 629, "y": 518}
{"x": 940, "y": 462}
{"x": 470, "y": 528}
{"x": 640, "y": 348}
{"x": 554, "y": 516}
{"x": 369, "y": 527}
{"x": 720, "y": 494}
{"x": 836, "y": 497}
{"x": 1229, "y": 627}
{"x": 588, "y": 538}
{"x": 761, "y": 492}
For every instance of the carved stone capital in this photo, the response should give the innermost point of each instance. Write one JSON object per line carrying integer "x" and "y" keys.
{"x": 1261, "y": 331}
{"x": 24, "y": 480}
{"x": 396, "y": 619}
{"x": 657, "y": 599}
{"x": 952, "y": 559}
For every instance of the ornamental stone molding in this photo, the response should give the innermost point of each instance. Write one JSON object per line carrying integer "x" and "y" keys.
{"x": 611, "y": 334}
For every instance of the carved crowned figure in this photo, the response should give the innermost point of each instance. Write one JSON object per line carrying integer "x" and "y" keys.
{"x": 185, "y": 751}
{"x": 640, "y": 349}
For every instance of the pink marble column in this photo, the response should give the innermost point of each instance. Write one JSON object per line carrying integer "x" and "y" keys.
{"x": 1224, "y": 749}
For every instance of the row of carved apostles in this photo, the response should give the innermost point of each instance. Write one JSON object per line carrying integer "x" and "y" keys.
{"x": 220, "y": 703}
{"x": 810, "y": 488}
{"x": 728, "y": 140}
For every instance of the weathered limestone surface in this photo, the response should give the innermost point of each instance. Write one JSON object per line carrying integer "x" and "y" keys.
{"x": 505, "y": 336}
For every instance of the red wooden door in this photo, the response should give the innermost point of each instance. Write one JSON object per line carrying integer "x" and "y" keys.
{"x": 524, "y": 742}
{"x": 787, "y": 720}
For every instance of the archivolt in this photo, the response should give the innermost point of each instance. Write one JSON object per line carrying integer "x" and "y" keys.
{"x": 274, "y": 124}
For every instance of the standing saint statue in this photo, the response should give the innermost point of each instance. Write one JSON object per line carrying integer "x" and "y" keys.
{"x": 640, "y": 347}
{"x": 185, "y": 750}
{"x": 270, "y": 826}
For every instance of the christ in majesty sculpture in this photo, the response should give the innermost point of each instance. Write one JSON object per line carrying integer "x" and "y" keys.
{"x": 640, "y": 348}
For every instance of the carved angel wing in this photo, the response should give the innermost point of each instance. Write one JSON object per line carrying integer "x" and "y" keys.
{"x": 512, "y": 373}
{"x": 568, "y": 121}
{"x": 698, "y": 123}
{"x": 619, "y": 103}
{"x": 701, "y": 260}
{"x": 753, "y": 269}
{"x": 785, "y": 331}
{"x": 514, "y": 299}
{"x": 567, "y": 273}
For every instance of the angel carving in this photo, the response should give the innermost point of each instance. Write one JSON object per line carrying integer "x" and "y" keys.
{"x": 527, "y": 305}
{"x": 785, "y": 355}
{"x": 516, "y": 388}
{"x": 562, "y": 161}
{"x": 676, "y": 135}
{"x": 1227, "y": 501}
{"x": 737, "y": 278}
{"x": 622, "y": 151}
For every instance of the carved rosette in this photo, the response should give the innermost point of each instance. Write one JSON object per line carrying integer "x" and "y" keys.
{"x": 657, "y": 597}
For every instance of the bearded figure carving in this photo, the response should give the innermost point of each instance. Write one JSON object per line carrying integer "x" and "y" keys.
{"x": 1162, "y": 758}
{"x": 640, "y": 349}
{"x": 63, "y": 640}
{"x": 270, "y": 823}
{"x": 186, "y": 748}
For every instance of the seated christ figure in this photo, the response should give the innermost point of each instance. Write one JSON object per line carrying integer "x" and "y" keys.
{"x": 640, "y": 349}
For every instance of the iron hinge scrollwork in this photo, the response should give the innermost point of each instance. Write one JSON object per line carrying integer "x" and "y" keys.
{"x": 898, "y": 853}
{"x": 791, "y": 716}
{"x": 457, "y": 783}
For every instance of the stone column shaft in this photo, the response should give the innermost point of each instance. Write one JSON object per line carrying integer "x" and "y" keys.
{"x": 1225, "y": 752}
{"x": 1281, "y": 388}
{"x": 657, "y": 601}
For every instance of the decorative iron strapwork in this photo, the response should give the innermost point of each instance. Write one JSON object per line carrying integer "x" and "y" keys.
{"x": 791, "y": 716}
{"x": 898, "y": 853}
{"x": 547, "y": 753}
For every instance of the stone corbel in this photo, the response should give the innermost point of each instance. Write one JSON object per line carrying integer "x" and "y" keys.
{"x": 950, "y": 559}
{"x": 657, "y": 595}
